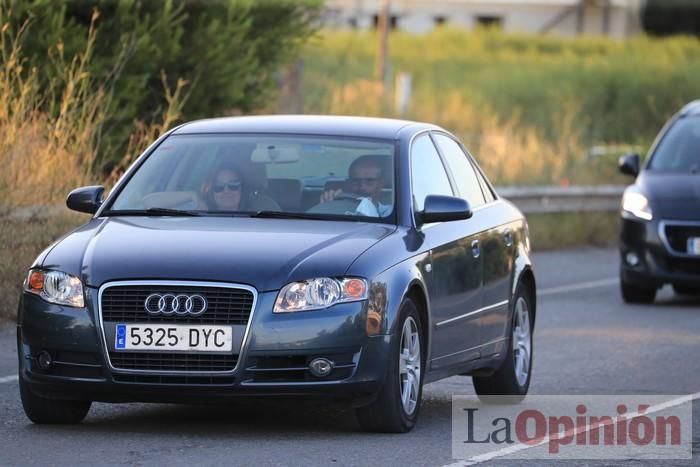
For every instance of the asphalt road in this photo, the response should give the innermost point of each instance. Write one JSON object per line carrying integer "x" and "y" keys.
{"x": 586, "y": 342}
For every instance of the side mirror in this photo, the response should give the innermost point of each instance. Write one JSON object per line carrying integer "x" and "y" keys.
{"x": 440, "y": 208}
{"x": 85, "y": 199}
{"x": 629, "y": 164}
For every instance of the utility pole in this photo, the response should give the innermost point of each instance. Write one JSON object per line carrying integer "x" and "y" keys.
{"x": 383, "y": 42}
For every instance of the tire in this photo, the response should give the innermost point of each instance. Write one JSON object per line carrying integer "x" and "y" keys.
{"x": 388, "y": 413}
{"x": 41, "y": 410}
{"x": 685, "y": 290}
{"x": 513, "y": 377}
{"x": 632, "y": 293}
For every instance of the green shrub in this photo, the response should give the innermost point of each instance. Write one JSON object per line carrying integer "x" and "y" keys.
{"x": 227, "y": 50}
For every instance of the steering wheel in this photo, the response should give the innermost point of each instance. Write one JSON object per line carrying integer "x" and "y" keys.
{"x": 343, "y": 203}
{"x": 344, "y": 195}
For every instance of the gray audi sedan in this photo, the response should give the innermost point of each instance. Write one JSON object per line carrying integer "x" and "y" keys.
{"x": 351, "y": 259}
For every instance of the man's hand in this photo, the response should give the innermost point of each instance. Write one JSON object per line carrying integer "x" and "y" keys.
{"x": 329, "y": 195}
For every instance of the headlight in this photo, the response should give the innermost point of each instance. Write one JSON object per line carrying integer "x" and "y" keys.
{"x": 635, "y": 203}
{"x": 55, "y": 287}
{"x": 322, "y": 292}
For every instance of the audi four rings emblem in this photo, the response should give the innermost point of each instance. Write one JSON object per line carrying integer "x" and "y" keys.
{"x": 171, "y": 304}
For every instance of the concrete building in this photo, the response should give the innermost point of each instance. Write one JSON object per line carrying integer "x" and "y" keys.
{"x": 616, "y": 18}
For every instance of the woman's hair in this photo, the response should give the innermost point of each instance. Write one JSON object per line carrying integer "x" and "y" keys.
{"x": 207, "y": 190}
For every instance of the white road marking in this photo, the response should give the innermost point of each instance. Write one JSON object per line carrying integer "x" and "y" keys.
{"x": 522, "y": 447}
{"x": 578, "y": 286}
{"x": 8, "y": 379}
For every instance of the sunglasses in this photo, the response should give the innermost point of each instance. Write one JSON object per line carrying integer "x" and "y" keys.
{"x": 232, "y": 186}
{"x": 366, "y": 180}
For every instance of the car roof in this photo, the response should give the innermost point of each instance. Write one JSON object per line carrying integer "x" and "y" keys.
{"x": 368, "y": 127}
{"x": 691, "y": 109}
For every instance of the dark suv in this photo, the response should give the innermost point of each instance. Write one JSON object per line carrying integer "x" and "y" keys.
{"x": 660, "y": 233}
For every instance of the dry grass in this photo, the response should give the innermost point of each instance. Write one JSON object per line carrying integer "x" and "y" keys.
{"x": 20, "y": 243}
{"x": 51, "y": 149}
{"x": 566, "y": 230}
{"x": 146, "y": 132}
{"x": 511, "y": 151}
{"x": 529, "y": 107}
{"x": 46, "y": 151}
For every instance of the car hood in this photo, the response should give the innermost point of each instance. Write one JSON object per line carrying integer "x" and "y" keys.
{"x": 264, "y": 253}
{"x": 672, "y": 195}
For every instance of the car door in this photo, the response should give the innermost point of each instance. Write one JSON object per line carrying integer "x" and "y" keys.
{"x": 495, "y": 240}
{"x": 454, "y": 282}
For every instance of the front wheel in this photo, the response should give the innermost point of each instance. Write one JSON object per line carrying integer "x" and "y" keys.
{"x": 513, "y": 377}
{"x": 396, "y": 408}
{"x": 41, "y": 410}
{"x": 633, "y": 293}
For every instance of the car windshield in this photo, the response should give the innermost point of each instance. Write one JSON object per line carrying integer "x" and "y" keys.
{"x": 679, "y": 150}
{"x": 263, "y": 175}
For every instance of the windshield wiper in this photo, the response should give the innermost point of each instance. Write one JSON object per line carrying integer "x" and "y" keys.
{"x": 151, "y": 212}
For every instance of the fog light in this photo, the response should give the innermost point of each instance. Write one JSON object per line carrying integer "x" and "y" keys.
{"x": 320, "y": 367}
{"x": 632, "y": 259}
{"x": 44, "y": 360}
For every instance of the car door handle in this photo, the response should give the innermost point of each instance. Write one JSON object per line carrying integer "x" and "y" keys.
{"x": 508, "y": 237}
{"x": 476, "y": 250}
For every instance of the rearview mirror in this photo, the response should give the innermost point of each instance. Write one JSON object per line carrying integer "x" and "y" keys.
{"x": 629, "y": 164}
{"x": 85, "y": 199}
{"x": 440, "y": 208}
{"x": 276, "y": 153}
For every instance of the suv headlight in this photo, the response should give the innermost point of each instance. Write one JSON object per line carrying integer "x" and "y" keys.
{"x": 636, "y": 204}
{"x": 55, "y": 287}
{"x": 322, "y": 292}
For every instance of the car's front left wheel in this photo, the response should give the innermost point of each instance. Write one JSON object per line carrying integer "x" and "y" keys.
{"x": 396, "y": 408}
{"x": 41, "y": 410}
{"x": 634, "y": 293}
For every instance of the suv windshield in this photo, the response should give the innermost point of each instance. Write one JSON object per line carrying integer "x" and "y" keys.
{"x": 679, "y": 150}
{"x": 318, "y": 176}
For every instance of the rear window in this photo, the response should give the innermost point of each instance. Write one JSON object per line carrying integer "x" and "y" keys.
{"x": 679, "y": 150}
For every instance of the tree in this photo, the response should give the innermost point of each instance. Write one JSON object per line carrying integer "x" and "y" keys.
{"x": 228, "y": 51}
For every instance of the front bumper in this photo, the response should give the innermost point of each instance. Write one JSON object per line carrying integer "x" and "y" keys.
{"x": 659, "y": 262}
{"x": 272, "y": 360}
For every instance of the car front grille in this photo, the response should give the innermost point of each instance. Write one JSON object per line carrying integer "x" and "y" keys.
{"x": 172, "y": 361}
{"x": 125, "y": 304}
{"x": 230, "y": 306}
{"x": 687, "y": 266}
{"x": 175, "y": 380}
{"x": 678, "y": 235}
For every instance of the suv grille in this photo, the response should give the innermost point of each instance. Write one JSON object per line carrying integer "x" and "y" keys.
{"x": 678, "y": 235}
{"x": 125, "y": 304}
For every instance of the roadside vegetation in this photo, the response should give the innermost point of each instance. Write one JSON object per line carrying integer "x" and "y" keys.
{"x": 529, "y": 107}
{"x": 86, "y": 85}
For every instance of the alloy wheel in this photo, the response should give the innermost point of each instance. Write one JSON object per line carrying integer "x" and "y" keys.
{"x": 409, "y": 366}
{"x": 522, "y": 343}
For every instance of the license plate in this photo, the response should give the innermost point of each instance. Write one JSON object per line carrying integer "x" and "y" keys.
{"x": 694, "y": 245}
{"x": 174, "y": 337}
